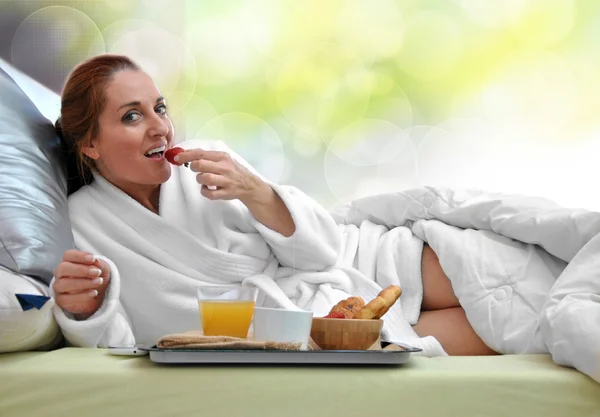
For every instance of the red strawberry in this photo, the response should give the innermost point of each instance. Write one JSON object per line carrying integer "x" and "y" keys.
{"x": 335, "y": 316}
{"x": 171, "y": 153}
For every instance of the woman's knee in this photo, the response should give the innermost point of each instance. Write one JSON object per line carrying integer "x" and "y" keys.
{"x": 454, "y": 332}
{"x": 437, "y": 289}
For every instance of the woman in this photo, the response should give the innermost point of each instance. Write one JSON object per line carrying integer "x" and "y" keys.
{"x": 141, "y": 223}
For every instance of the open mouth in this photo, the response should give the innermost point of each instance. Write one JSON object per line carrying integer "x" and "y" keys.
{"x": 156, "y": 153}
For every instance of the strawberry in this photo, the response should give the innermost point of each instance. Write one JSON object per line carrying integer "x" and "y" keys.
{"x": 171, "y": 153}
{"x": 335, "y": 316}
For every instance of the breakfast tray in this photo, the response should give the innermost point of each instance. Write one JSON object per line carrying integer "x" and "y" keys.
{"x": 397, "y": 356}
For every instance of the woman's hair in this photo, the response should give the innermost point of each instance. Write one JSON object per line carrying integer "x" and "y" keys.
{"x": 83, "y": 99}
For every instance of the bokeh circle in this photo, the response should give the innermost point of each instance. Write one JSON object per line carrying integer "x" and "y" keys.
{"x": 51, "y": 41}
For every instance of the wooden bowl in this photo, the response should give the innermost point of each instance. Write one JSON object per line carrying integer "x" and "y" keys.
{"x": 345, "y": 334}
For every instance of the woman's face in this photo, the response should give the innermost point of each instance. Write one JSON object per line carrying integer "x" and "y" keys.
{"x": 133, "y": 123}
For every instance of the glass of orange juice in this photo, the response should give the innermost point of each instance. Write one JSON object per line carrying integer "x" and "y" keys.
{"x": 226, "y": 310}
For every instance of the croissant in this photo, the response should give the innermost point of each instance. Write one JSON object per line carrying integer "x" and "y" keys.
{"x": 380, "y": 305}
{"x": 348, "y": 307}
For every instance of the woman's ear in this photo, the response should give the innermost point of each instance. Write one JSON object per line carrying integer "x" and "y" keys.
{"x": 90, "y": 151}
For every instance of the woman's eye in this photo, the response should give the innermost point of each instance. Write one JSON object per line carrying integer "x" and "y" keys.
{"x": 131, "y": 117}
{"x": 162, "y": 109}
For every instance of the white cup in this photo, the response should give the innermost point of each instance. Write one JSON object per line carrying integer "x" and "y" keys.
{"x": 279, "y": 325}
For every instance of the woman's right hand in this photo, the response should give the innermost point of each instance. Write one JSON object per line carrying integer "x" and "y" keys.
{"x": 80, "y": 283}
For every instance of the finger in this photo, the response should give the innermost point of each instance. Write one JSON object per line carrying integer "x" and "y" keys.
{"x": 76, "y": 285}
{"x": 79, "y": 257}
{"x": 196, "y": 154}
{"x": 69, "y": 269}
{"x": 76, "y": 303}
{"x": 104, "y": 267}
{"x": 218, "y": 194}
{"x": 205, "y": 165}
{"x": 213, "y": 180}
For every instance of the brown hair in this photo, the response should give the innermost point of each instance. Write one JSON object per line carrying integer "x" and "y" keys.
{"x": 82, "y": 101}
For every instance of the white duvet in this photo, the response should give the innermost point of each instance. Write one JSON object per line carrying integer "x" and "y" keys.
{"x": 526, "y": 271}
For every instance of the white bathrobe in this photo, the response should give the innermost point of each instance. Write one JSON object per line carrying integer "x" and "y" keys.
{"x": 158, "y": 260}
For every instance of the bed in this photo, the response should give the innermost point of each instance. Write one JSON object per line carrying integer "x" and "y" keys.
{"x": 90, "y": 382}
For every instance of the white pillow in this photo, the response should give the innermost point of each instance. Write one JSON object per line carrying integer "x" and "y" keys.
{"x": 25, "y": 330}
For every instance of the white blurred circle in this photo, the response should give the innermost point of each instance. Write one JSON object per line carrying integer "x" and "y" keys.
{"x": 322, "y": 89}
{"x": 53, "y": 40}
{"x": 250, "y": 137}
{"x": 536, "y": 93}
{"x": 433, "y": 45}
{"x": 373, "y": 30}
{"x": 164, "y": 56}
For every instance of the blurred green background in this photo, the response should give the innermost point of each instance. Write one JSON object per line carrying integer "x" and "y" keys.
{"x": 347, "y": 98}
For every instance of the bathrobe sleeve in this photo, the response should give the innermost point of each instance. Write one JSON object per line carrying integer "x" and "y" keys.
{"x": 317, "y": 241}
{"x": 108, "y": 326}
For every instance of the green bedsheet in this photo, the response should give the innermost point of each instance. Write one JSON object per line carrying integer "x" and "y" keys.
{"x": 89, "y": 382}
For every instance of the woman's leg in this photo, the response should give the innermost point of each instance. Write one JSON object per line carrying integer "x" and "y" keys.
{"x": 452, "y": 329}
{"x": 437, "y": 289}
{"x": 442, "y": 316}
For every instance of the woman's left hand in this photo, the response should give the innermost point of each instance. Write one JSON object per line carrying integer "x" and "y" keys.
{"x": 227, "y": 178}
